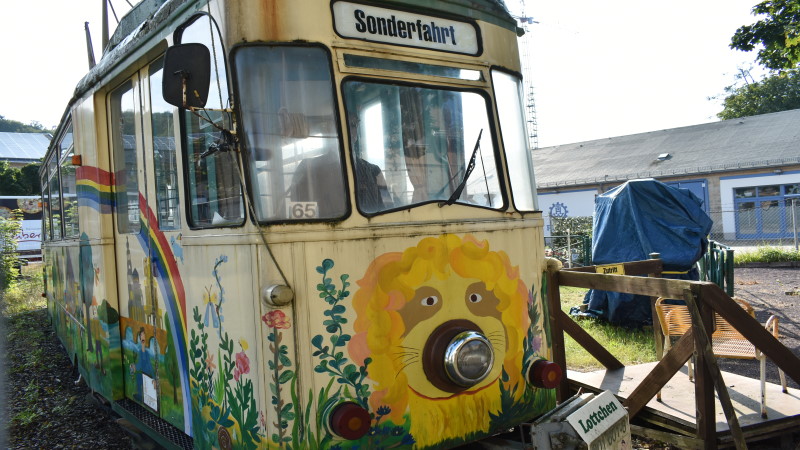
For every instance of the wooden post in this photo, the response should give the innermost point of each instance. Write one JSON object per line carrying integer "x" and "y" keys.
{"x": 706, "y": 354}
{"x": 658, "y": 335}
{"x": 703, "y": 384}
{"x": 556, "y": 330}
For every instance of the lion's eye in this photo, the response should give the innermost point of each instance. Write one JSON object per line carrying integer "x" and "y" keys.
{"x": 430, "y": 300}
{"x": 475, "y": 297}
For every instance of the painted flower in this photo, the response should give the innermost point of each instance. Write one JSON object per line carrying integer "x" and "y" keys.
{"x": 242, "y": 365}
{"x": 211, "y": 309}
{"x": 276, "y": 319}
{"x": 536, "y": 343}
{"x": 210, "y": 363}
{"x": 243, "y": 344}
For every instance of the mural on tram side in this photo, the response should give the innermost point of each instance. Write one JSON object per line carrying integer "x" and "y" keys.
{"x": 88, "y": 327}
{"x": 370, "y": 354}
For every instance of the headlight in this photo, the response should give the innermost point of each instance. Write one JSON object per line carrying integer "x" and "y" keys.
{"x": 468, "y": 359}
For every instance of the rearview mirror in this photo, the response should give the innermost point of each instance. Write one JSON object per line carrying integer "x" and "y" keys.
{"x": 187, "y": 75}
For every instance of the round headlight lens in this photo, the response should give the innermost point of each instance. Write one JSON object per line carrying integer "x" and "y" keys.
{"x": 468, "y": 359}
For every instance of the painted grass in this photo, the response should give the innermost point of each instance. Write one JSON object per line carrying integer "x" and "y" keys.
{"x": 628, "y": 346}
{"x": 24, "y": 293}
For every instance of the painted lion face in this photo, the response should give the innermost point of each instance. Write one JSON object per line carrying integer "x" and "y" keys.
{"x": 406, "y": 299}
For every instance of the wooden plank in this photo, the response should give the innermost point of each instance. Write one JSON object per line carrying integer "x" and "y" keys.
{"x": 676, "y": 412}
{"x": 556, "y": 332}
{"x": 707, "y": 374}
{"x": 654, "y": 287}
{"x": 661, "y": 373}
{"x": 588, "y": 342}
{"x": 644, "y": 267}
{"x": 755, "y": 332}
{"x": 684, "y": 442}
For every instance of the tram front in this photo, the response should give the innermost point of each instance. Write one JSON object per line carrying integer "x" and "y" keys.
{"x": 391, "y": 187}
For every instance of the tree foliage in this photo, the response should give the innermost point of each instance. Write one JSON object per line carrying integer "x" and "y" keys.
{"x": 778, "y": 34}
{"x": 777, "y": 92}
{"x": 13, "y": 126}
{"x": 24, "y": 181}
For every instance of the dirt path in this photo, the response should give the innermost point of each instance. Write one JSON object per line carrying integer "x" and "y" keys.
{"x": 765, "y": 289}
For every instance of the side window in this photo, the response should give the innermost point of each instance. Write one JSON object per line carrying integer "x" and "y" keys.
{"x": 123, "y": 136}
{"x": 68, "y": 188}
{"x": 164, "y": 161}
{"x": 215, "y": 192}
{"x": 55, "y": 198}
{"x": 46, "y": 209}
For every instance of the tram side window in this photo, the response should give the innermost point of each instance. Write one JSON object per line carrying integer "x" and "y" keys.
{"x": 511, "y": 112}
{"x": 55, "y": 199}
{"x": 68, "y": 187}
{"x": 290, "y": 133}
{"x": 46, "y": 209}
{"x": 164, "y": 161}
{"x": 123, "y": 135}
{"x": 215, "y": 191}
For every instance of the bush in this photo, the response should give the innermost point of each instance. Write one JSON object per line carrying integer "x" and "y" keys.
{"x": 9, "y": 229}
{"x": 766, "y": 254}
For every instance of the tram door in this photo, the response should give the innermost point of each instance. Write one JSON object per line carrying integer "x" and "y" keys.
{"x": 147, "y": 216}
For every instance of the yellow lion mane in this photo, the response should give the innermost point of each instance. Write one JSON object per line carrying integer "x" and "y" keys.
{"x": 388, "y": 284}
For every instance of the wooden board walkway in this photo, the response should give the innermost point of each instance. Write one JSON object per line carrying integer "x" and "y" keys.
{"x": 676, "y": 411}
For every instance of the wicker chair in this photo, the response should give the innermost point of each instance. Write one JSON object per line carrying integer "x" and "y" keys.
{"x": 726, "y": 341}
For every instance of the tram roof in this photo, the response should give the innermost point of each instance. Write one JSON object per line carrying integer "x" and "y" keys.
{"x": 148, "y": 18}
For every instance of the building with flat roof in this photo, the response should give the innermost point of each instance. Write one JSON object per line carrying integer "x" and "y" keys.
{"x": 746, "y": 171}
{"x": 20, "y": 149}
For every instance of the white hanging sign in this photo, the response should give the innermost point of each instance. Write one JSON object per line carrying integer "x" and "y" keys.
{"x": 371, "y": 23}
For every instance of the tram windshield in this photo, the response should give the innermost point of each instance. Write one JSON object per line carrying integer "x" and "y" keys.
{"x": 413, "y": 145}
{"x": 289, "y": 121}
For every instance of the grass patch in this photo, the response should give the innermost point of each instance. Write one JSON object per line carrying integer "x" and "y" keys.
{"x": 628, "y": 346}
{"x": 766, "y": 254}
{"x": 24, "y": 293}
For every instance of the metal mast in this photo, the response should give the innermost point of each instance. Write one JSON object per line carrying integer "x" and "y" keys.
{"x": 525, "y": 45}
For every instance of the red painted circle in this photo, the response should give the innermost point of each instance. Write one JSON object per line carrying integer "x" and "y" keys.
{"x": 545, "y": 374}
{"x": 350, "y": 421}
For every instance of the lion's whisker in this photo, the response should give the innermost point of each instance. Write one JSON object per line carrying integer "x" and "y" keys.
{"x": 404, "y": 367}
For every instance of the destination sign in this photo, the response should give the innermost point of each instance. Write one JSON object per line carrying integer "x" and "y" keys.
{"x": 371, "y": 23}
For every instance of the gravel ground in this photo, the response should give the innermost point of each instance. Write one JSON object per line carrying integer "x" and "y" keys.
{"x": 46, "y": 408}
{"x": 766, "y": 291}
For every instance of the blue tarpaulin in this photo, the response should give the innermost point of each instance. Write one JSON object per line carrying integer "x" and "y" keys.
{"x": 638, "y": 218}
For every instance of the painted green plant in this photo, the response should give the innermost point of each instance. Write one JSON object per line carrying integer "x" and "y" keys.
{"x": 350, "y": 378}
{"x": 222, "y": 395}
{"x": 281, "y": 374}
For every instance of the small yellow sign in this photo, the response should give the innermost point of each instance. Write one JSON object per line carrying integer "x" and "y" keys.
{"x": 611, "y": 269}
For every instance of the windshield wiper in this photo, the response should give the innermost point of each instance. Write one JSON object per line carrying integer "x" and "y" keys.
{"x": 467, "y": 173}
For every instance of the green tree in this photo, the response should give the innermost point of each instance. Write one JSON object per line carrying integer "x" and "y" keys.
{"x": 774, "y": 93}
{"x": 10, "y": 180}
{"x": 778, "y": 34}
{"x": 9, "y": 228}
{"x": 13, "y": 126}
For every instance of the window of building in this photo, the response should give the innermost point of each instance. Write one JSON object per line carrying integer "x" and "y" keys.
{"x": 766, "y": 211}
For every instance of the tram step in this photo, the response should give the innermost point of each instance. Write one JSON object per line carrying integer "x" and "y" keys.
{"x": 144, "y": 426}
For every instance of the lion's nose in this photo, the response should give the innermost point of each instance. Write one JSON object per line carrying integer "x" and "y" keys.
{"x": 457, "y": 356}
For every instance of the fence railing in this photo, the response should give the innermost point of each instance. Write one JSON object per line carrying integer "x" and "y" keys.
{"x": 772, "y": 222}
{"x": 716, "y": 266}
{"x": 573, "y": 250}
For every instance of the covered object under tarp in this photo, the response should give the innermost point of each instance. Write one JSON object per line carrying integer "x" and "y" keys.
{"x": 634, "y": 220}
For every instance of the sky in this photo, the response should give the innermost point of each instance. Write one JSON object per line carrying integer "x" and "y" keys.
{"x": 599, "y": 68}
